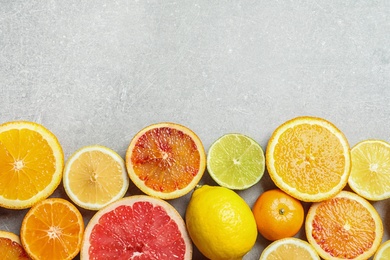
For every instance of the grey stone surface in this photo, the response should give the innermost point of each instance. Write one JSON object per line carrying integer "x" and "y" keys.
{"x": 96, "y": 72}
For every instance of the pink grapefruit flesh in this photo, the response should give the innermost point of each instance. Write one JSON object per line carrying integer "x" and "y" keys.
{"x": 136, "y": 227}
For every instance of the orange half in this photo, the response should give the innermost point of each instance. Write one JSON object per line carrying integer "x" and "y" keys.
{"x": 344, "y": 227}
{"x": 309, "y": 158}
{"x": 31, "y": 164}
{"x": 166, "y": 160}
{"x": 52, "y": 229}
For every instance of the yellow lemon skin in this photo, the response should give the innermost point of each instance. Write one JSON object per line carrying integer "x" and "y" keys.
{"x": 220, "y": 223}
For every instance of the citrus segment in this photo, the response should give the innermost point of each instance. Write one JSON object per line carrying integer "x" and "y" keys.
{"x": 370, "y": 172}
{"x": 52, "y": 229}
{"x": 289, "y": 249}
{"x": 165, "y": 160}
{"x": 95, "y": 176}
{"x": 10, "y": 247}
{"x": 383, "y": 252}
{"x": 236, "y": 161}
{"x": 220, "y": 223}
{"x": 344, "y": 227}
{"x": 278, "y": 215}
{"x": 31, "y": 164}
{"x": 308, "y": 158}
{"x": 136, "y": 227}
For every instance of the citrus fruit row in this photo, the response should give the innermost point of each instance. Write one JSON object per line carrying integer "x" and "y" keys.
{"x": 308, "y": 159}
{"x": 165, "y": 161}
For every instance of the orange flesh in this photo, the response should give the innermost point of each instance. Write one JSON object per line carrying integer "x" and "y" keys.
{"x": 165, "y": 159}
{"x": 350, "y": 229}
{"x": 309, "y": 158}
{"x": 53, "y": 232}
{"x": 11, "y": 250}
{"x": 26, "y": 166}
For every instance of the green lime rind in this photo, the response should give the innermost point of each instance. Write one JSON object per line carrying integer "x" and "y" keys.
{"x": 236, "y": 161}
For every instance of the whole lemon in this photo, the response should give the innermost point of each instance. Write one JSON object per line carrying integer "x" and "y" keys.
{"x": 220, "y": 223}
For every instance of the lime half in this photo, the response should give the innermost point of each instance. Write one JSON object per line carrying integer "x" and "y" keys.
{"x": 236, "y": 161}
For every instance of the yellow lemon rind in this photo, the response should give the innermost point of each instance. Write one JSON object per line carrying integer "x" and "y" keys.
{"x": 223, "y": 213}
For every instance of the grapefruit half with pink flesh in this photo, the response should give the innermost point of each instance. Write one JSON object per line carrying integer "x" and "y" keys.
{"x": 136, "y": 227}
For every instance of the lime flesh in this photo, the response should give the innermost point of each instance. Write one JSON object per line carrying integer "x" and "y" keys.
{"x": 236, "y": 161}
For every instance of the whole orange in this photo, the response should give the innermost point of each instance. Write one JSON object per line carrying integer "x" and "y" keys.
{"x": 278, "y": 215}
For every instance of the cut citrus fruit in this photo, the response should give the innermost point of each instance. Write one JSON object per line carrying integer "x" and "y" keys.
{"x": 136, "y": 227}
{"x": 289, "y": 249}
{"x": 383, "y": 252}
{"x": 370, "y": 172}
{"x": 31, "y": 164}
{"x": 220, "y": 223}
{"x": 52, "y": 229}
{"x": 95, "y": 176}
{"x": 308, "y": 158}
{"x": 344, "y": 227}
{"x": 278, "y": 215}
{"x": 165, "y": 160}
{"x": 10, "y": 247}
{"x": 236, "y": 161}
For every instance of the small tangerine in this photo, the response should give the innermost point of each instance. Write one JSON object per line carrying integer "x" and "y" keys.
{"x": 278, "y": 215}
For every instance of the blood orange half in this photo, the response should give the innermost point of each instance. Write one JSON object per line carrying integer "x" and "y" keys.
{"x": 344, "y": 227}
{"x": 166, "y": 160}
{"x": 10, "y": 247}
{"x": 136, "y": 227}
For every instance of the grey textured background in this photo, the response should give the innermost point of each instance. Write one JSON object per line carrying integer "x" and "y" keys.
{"x": 97, "y": 72}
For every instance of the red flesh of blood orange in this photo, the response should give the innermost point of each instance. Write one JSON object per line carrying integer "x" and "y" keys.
{"x": 166, "y": 160}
